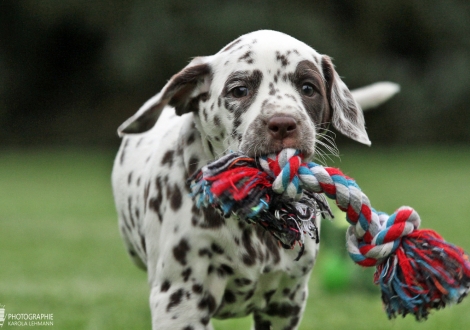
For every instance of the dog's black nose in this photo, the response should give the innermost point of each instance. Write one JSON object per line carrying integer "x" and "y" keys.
{"x": 281, "y": 127}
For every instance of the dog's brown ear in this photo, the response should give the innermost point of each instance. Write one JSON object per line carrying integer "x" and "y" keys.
{"x": 181, "y": 91}
{"x": 347, "y": 115}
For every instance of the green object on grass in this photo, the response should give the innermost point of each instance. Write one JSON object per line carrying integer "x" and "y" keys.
{"x": 335, "y": 272}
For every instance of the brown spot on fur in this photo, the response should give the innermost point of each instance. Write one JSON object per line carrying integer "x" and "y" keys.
{"x": 216, "y": 121}
{"x": 268, "y": 295}
{"x": 146, "y": 195}
{"x": 205, "y": 320}
{"x": 250, "y": 257}
{"x": 282, "y": 58}
{"x": 272, "y": 248}
{"x": 168, "y": 158}
{"x": 180, "y": 251}
{"x": 191, "y": 139}
{"x": 175, "y": 198}
{"x": 248, "y": 260}
{"x": 129, "y": 208}
{"x": 229, "y": 297}
{"x": 205, "y": 252}
{"x": 217, "y": 248}
{"x": 186, "y": 273}
{"x": 272, "y": 90}
{"x": 247, "y": 58}
{"x": 249, "y": 294}
{"x": 261, "y": 324}
{"x": 283, "y": 310}
{"x": 207, "y": 302}
{"x": 143, "y": 244}
{"x": 123, "y": 152}
{"x": 243, "y": 281}
{"x": 212, "y": 219}
{"x": 175, "y": 299}
{"x": 224, "y": 270}
{"x": 165, "y": 286}
{"x": 211, "y": 148}
{"x": 197, "y": 288}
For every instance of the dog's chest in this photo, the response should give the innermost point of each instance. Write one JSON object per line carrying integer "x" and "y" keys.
{"x": 263, "y": 272}
{"x": 244, "y": 265}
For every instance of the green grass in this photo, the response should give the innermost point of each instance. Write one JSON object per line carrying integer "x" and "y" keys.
{"x": 60, "y": 250}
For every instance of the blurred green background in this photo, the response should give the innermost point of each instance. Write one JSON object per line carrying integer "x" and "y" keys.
{"x": 71, "y": 71}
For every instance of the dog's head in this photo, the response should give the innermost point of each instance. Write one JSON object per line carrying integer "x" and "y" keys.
{"x": 263, "y": 92}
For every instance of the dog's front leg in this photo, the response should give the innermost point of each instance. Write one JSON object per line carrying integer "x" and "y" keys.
{"x": 282, "y": 316}
{"x": 181, "y": 307}
{"x": 284, "y": 309}
{"x": 186, "y": 290}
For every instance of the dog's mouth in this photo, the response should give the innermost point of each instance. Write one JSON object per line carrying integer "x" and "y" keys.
{"x": 276, "y": 148}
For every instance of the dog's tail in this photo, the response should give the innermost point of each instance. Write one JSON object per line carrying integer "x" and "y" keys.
{"x": 374, "y": 95}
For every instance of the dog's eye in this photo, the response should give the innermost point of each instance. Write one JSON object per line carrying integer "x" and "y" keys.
{"x": 240, "y": 91}
{"x": 307, "y": 89}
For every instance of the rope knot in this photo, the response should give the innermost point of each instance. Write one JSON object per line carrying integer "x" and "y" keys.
{"x": 373, "y": 236}
{"x": 284, "y": 168}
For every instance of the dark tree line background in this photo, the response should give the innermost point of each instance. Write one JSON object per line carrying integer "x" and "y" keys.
{"x": 71, "y": 70}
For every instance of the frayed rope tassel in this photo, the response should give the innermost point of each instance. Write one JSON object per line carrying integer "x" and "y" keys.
{"x": 416, "y": 269}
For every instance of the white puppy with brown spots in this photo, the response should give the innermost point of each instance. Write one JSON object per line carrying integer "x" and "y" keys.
{"x": 263, "y": 92}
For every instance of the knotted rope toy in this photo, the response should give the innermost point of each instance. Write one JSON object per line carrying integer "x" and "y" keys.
{"x": 416, "y": 269}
